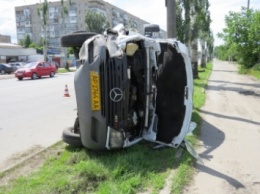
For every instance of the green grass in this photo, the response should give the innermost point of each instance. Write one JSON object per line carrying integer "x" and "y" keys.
{"x": 63, "y": 70}
{"x": 253, "y": 72}
{"x": 128, "y": 171}
{"x": 185, "y": 169}
{"x": 83, "y": 171}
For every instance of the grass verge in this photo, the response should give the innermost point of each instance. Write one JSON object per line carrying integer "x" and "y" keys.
{"x": 137, "y": 169}
{"x": 63, "y": 70}
{"x": 185, "y": 169}
{"x": 253, "y": 72}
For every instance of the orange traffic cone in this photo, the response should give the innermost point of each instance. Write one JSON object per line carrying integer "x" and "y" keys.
{"x": 66, "y": 94}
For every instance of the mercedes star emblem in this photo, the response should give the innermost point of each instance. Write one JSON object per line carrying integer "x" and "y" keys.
{"x": 116, "y": 94}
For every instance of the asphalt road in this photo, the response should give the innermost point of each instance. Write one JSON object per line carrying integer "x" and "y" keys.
{"x": 33, "y": 114}
{"x": 230, "y": 134}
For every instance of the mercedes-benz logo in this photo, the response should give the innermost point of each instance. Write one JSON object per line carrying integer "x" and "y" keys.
{"x": 116, "y": 94}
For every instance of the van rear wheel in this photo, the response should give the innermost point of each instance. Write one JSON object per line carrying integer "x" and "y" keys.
{"x": 76, "y": 39}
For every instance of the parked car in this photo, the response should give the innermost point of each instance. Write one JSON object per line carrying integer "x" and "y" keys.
{"x": 129, "y": 88}
{"x": 17, "y": 65}
{"x": 6, "y": 68}
{"x": 35, "y": 70}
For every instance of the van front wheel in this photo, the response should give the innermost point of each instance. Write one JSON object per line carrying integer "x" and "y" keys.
{"x": 71, "y": 138}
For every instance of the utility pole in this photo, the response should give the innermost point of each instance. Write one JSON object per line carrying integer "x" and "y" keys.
{"x": 171, "y": 18}
{"x": 248, "y": 4}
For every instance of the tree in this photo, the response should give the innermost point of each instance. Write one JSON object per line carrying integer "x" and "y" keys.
{"x": 64, "y": 12}
{"x": 26, "y": 42}
{"x": 241, "y": 36}
{"x": 193, "y": 25}
{"x": 204, "y": 35}
{"x": 96, "y": 22}
{"x": 42, "y": 12}
{"x": 191, "y": 30}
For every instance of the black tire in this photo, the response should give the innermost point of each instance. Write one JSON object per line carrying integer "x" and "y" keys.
{"x": 20, "y": 78}
{"x": 76, "y": 125}
{"x": 76, "y": 39}
{"x": 34, "y": 76}
{"x": 71, "y": 138}
{"x": 52, "y": 74}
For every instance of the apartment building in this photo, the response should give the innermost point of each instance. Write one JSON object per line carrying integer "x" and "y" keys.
{"x": 5, "y": 38}
{"x": 29, "y": 19}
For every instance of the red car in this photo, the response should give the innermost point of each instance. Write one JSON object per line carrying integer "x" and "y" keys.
{"x": 36, "y": 70}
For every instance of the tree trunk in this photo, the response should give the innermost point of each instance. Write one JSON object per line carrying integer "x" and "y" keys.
{"x": 203, "y": 54}
{"x": 67, "y": 66}
{"x": 45, "y": 57}
{"x": 194, "y": 58}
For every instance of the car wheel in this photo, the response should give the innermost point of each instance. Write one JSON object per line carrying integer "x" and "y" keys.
{"x": 2, "y": 71}
{"x": 71, "y": 138}
{"x": 76, "y": 39}
{"x": 52, "y": 74}
{"x": 34, "y": 76}
{"x": 76, "y": 125}
{"x": 20, "y": 78}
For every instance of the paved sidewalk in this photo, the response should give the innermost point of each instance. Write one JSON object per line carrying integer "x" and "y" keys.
{"x": 230, "y": 135}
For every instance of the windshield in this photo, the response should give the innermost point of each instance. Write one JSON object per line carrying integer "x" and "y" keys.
{"x": 30, "y": 65}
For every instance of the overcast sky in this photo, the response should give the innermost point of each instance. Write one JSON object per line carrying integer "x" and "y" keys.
{"x": 152, "y": 11}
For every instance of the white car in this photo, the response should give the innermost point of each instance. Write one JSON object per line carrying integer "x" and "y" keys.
{"x": 129, "y": 88}
{"x": 17, "y": 65}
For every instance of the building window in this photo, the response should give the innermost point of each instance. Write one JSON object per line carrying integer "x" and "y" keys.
{"x": 27, "y": 11}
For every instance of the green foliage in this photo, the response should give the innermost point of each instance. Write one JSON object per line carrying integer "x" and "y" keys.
{"x": 70, "y": 50}
{"x": 32, "y": 45}
{"x": 96, "y": 22}
{"x": 254, "y": 71}
{"x": 257, "y": 67}
{"x": 41, "y": 42}
{"x": 242, "y": 37}
{"x": 27, "y": 41}
{"x": 226, "y": 53}
{"x": 21, "y": 42}
{"x": 42, "y": 11}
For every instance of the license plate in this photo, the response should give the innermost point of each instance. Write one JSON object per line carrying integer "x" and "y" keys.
{"x": 19, "y": 74}
{"x": 95, "y": 91}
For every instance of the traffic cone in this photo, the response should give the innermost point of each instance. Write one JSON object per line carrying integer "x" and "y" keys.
{"x": 66, "y": 94}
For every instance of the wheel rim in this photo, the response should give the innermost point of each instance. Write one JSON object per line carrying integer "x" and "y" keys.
{"x": 34, "y": 76}
{"x": 2, "y": 72}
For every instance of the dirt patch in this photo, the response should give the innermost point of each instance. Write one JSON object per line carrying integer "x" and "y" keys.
{"x": 19, "y": 157}
{"x": 28, "y": 162}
